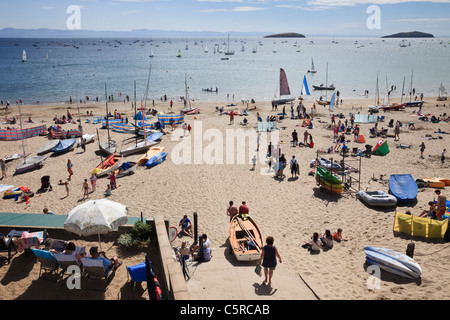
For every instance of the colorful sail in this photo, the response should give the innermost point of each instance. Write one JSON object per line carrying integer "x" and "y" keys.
{"x": 305, "y": 89}
{"x": 332, "y": 102}
{"x": 284, "y": 86}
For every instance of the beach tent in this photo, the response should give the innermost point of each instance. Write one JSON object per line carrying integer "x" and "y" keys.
{"x": 381, "y": 148}
{"x": 360, "y": 139}
{"x": 420, "y": 227}
{"x": 140, "y": 116}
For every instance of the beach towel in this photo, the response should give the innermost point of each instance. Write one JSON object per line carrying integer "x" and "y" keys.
{"x": 29, "y": 240}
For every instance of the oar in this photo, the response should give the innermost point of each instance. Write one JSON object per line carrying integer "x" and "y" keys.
{"x": 246, "y": 231}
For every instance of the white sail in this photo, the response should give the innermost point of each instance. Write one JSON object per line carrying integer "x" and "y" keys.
{"x": 313, "y": 69}
{"x": 24, "y": 56}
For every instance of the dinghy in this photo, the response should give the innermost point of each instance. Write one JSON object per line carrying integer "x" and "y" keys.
{"x": 47, "y": 147}
{"x": 377, "y": 198}
{"x": 327, "y": 164}
{"x": 30, "y": 164}
{"x": 88, "y": 138}
{"x": 126, "y": 169}
{"x": 143, "y": 146}
{"x": 150, "y": 153}
{"x": 393, "y": 262}
{"x": 403, "y": 187}
{"x": 155, "y": 160}
{"x": 64, "y": 146}
{"x": 110, "y": 164}
{"x": 246, "y": 240}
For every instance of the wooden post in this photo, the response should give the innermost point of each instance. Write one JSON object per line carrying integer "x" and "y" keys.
{"x": 195, "y": 228}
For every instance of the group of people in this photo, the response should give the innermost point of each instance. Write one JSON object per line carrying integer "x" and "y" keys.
{"x": 323, "y": 242}
{"x": 233, "y": 210}
{"x": 80, "y": 253}
{"x": 437, "y": 208}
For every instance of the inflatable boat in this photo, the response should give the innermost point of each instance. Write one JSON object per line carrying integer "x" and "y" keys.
{"x": 377, "y": 198}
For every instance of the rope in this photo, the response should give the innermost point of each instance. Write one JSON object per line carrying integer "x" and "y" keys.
{"x": 315, "y": 294}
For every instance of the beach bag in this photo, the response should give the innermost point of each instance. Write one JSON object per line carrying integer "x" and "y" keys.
{"x": 258, "y": 270}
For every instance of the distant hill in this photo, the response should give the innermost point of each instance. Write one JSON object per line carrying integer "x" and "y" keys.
{"x": 413, "y": 34}
{"x": 286, "y": 35}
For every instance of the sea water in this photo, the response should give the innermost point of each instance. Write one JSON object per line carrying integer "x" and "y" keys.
{"x": 83, "y": 66}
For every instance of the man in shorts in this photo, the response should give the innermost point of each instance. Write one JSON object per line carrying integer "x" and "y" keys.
{"x": 441, "y": 204}
{"x": 186, "y": 226}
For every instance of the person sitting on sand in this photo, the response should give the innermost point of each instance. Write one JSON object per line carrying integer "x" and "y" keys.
{"x": 186, "y": 226}
{"x": 108, "y": 191}
{"x": 441, "y": 204}
{"x": 206, "y": 244}
{"x": 314, "y": 245}
{"x": 327, "y": 240}
{"x": 431, "y": 212}
{"x": 337, "y": 236}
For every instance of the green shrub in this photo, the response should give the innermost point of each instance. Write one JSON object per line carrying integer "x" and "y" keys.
{"x": 139, "y": 236}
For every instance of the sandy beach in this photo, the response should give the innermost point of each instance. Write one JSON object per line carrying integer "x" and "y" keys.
{"x": 288, "y": 209}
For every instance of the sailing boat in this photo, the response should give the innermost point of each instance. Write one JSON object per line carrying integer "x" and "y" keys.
{"x": 284, "y": 89}
{"x": 313, "y": 69}
{"x": 375, "y": 107}
{"x": 24, "y": 56}
{"x": 46, "y": 55}
{"x": 206, "y": 49}
{"x": 151, "y": 53}
{"x": 179, "y": 53}
{"x": 442, "y": 94}
{"x": 228, "y": 52}
{"x": 324, "y": 87}
{"x": 188, "y": 109}
{"x": 254, "y": 49}
{"x": 274, "y": 49}
{"x": 110, "y": 146}
{"x": 412, "y": 103}
{"x": 305, "y": 89}
{"x": 28, "y": 163}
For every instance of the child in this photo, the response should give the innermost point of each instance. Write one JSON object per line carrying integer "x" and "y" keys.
{"x": 69, "y": 169}
{"x": 85, "y": 189}
{"x": 338, "y": 236}
{"x": 108, "y": 191}
{"x": 93, "y": 182}
{"x": 66, "y": 184}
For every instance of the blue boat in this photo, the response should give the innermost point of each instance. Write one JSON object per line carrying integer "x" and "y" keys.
{"x": 64, "y": 146}
{"x": 155, "y": 160}
{"x": 155, "y": 136}
{"x": 403, "y": 187}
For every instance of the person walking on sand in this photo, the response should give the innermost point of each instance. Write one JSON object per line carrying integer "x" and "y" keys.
{"x": 294, "y": 138}
{"x": 268, "y": 259}
{"x": 171, "y": 104}
{"x": 189, "y": 128}
{"x": 69, "y": 169}
{"x": 66, "y": 184}
{"x": 422, "y": 149}
{"x": 305, "y": 137}
{"x": 443, "y": 156}
{"x": 184, "y": 129}
{"x": 93, "y": 182}
{"x": 397, "y": 131}
{"x": 294, "y": 167}
{"x": 231, "y": 117}
{"x": 85, "y": 189}
{"x": 3, "y": 168}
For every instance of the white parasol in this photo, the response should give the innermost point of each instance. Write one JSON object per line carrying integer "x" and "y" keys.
{"x": 96, "y": 217}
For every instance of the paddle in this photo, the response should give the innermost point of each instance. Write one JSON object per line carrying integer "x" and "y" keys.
{"x": 248, "y": 234}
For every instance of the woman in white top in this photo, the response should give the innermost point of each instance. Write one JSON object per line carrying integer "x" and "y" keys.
{"x": 327, "y": 239}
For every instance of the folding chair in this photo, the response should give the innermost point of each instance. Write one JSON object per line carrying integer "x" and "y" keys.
{"x": 7, "y": 245}
{"x": 65, "y": 261}
{"x": 93, "y": 268}
{"x": 47, "y": 260}
{"x": 137, "y": 273}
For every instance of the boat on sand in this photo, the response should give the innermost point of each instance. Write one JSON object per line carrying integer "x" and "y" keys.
{"x": 246, "y": 240}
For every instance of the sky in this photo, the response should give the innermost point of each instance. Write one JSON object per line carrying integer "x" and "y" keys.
{"x": 309, "y": 17}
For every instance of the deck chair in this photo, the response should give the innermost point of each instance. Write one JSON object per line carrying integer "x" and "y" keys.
{"x": 93, "y": 268}
{"x": 137, "y": 273}
{"x": 7, "y": 245}
{"x": 65, "y": 261}
{"x": 47, "y": 260}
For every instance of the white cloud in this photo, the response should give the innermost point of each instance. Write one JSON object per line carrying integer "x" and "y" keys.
{"x": 347, "y": 3}
{"x": 48, "y": 8}
{"x": 247, "y": 9}
{"x": 126, "y": 13}
{"x": 212, "y": 10}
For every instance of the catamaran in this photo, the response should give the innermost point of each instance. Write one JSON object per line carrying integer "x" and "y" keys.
{"x": 284, "y": 89}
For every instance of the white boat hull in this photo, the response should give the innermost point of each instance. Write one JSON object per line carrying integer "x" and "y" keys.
{"x": 377, "y": 198}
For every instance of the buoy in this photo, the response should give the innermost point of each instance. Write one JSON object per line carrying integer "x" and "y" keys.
{"x": 195, "y": 117}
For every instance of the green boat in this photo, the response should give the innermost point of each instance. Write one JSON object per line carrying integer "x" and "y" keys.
{"x": 326, "y": 175}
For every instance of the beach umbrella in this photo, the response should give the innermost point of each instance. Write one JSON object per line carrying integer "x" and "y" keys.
{"x": 96, "y": 217}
